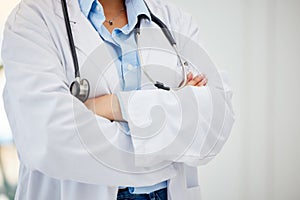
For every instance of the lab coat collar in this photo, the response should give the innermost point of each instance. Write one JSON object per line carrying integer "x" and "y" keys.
{"x": 73, "y": 9}
{"x": 83, "y": 32}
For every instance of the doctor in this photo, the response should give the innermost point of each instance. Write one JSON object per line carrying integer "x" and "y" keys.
{"x": 66, "y": 151}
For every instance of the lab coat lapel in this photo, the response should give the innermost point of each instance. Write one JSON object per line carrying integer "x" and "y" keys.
{"x": 95, "y": 60}
{"x": 86, "y": 38}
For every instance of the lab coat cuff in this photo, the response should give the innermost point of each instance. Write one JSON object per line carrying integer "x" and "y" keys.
{"x": 123, "y": 104}
{"x": 167, "y": 126}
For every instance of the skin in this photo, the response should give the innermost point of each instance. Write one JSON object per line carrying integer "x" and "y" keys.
{"x": 108, "y": 106}
{"x": 111, "y": 10}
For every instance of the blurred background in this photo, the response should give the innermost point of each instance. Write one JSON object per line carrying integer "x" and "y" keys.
{"x": 258, "y": 43}
{"x": 9, "y": 164}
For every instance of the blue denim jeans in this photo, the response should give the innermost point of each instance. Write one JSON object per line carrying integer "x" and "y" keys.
{"x": 156, "y": 195}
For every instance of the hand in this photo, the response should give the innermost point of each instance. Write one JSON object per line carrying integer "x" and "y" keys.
{"x": 199, "y": 80}
{"x": 106, "y": 106}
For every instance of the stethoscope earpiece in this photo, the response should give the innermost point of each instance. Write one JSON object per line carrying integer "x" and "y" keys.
{"x": 80, "y": 88}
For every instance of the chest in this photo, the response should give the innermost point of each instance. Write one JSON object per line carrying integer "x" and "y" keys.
{"x": 98, "y": 61}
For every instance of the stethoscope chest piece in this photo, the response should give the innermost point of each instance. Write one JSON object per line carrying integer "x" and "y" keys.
{"x": 80, "y": 88}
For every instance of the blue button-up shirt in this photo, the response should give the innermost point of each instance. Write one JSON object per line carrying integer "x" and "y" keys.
{"x": 123, "y": 42}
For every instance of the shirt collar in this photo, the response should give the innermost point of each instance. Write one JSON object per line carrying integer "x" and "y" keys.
{"x": 134, "y": 9}
{"x": 86, "y": 6}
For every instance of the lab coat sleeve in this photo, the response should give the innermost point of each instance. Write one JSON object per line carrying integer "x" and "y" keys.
{"x": 190, "y": 125}
{"x": 47, "y": 122}
{"x": 219, "y": 85}
{"x": 222, "y": 114}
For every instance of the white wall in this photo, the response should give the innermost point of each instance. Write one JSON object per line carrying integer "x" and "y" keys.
{"x": 258, "y": 43}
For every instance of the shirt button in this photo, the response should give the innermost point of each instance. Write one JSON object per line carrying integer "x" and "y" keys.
{"x": 98, "y": 8}
{"x": 130, "y": 67}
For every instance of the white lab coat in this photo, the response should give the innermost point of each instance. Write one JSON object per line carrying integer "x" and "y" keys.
{"x": 60, "y": 142}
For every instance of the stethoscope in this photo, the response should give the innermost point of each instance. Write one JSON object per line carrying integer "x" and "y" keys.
{"x": 80, "y": 87}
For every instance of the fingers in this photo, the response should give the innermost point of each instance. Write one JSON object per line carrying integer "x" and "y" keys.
{"x": 203, "y": 82}
{"x": 199, "y": 80}
{"x": 189, "y": 77}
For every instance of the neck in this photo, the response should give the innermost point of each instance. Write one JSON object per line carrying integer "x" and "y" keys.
{"x": 112, "y": 11}
{"x": 112, "y": 6}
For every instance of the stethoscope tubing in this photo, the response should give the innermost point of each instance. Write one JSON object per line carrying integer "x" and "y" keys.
{"x": 80, "y": 88}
